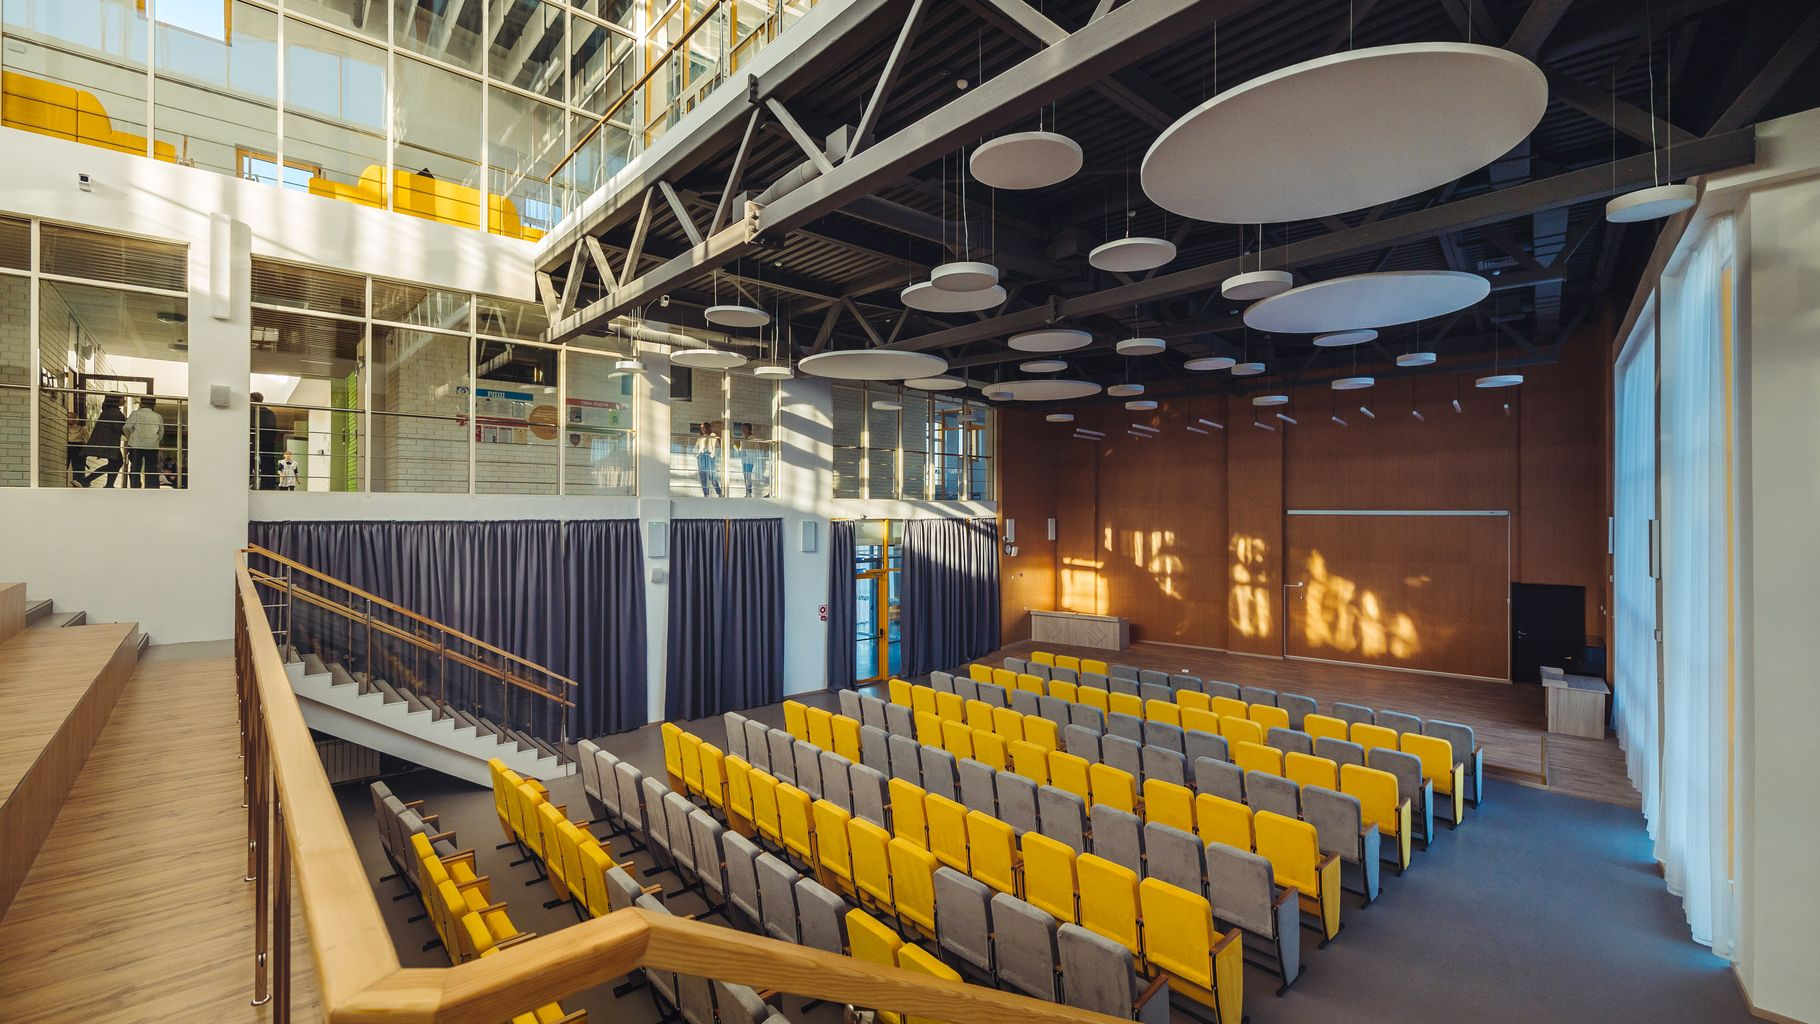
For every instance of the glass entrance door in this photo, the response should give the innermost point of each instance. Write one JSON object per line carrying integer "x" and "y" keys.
{"x": 878, "y": 559}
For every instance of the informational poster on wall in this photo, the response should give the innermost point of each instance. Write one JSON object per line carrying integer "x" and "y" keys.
{"x": 589, "y": 416}
{"x": 502, "y": 417}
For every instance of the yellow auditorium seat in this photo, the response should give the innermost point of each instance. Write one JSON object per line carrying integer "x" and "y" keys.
{"x": 928, "y": 728}
{"x": 1095, "y": 665}
{"x": 1004, "y": 677}
{"x": 796, "y": 720}
{"x": 908, "y": 819}
{"x": 739, "y": 796}
{"x": 1201, "y": 720}
{"x": 990, "y": 748}
{"x": 950, "y": 707}
{"x": 1042, "y": 732}
{"x": 1030, "y": 760}
{"x": 1240, "y": 730}
{"x": 1062, "y": 690}
{"x": 979, "y": 673}
{"x": 1114, "y": 787}
{"x": 1049, "y": 877}
{"x": 916, "y": 960}
{"x": 1193, "y": 700}
{"x": 821, "y": 728}
{"x": 1371, "y": 737}
{"x": 1439, "y": 767}
{"x": 1094, "y": 697}
{"x": 594, "y": 866}
{"x": 764, "y": 806}
{"x": 1219, "y": 820}
{"x": 1380, "y": 802}
{"x": 992, "y": 850}
{"x": 1162, "y": 711}
{"x": 900, "y": 691}
{"x": 1181, "y": 942}
{"x": 1324, "y": 727}
{"x": 1228, "y": 707}
{"x": 1109, "y": 901}
{"x": 690, "y": 746}
{"x": 846, "y": 738}
{"x": 871, "y": 942}
{"x": 1256, "y": 757}
{"x": 1043, "y": 658}
{"x": 1008, "y": 723}
{"x": 870, "y": 846}
{"x": 948, "y": 832}
{"x": 1268, "y": 716}
{"x": 1072, "y": 773}
{"x": 913, "y": 885}
{"x": 796, "y": 823}
{"x": 496, "y": 772}
{"x": 957, "y": 739}
{"x": 1126, "y": 704}
{"x": 1068, "y": 661}
{"x": 1032, "y": 683}
{"x": 1169, "y": 804}
{"x": 922, "y": 700}
{"x": 550, "y": 820}
{"x": 1309, "y": 770}
{"x": 714, "y": 775}
{"x": 979, "y": 715}
{"x": 671, "y": 734}
{"x": 1294, "y": 853}
{"x": 833, "y": 852}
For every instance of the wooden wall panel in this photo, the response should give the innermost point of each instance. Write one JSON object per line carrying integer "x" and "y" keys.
{"x": 1565, "y": 484}
{"x": 1254, "y": 534}
{"x": 1026, "y": 489}
{"x": 1079, "y": 585}
{"x": 1420, "y": 592}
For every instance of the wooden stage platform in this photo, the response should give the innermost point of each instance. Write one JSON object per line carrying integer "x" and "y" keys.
{"x": 1507, "y": 718}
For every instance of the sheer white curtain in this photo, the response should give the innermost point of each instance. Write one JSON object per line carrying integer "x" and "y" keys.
{"x": 1634, "y": 695}
{"x": 1693, "y": 821}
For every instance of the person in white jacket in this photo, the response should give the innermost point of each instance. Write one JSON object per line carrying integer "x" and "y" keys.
{"x": 144, "y": 436}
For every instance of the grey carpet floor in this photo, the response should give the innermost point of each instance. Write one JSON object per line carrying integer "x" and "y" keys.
{"x": 1540, "y": 908}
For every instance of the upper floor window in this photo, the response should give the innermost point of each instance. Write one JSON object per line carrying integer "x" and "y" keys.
{"x": 897, "y": 443}
{"x": 723, "y": 440}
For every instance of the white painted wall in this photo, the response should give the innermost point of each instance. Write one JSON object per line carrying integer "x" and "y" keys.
{"x": 161, "y": 557}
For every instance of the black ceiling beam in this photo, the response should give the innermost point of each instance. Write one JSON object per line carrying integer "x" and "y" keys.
{"x": 1143, "y": 98}
{"x": 1796, "y": 48}
{"x": 1713, "y": 153}
{"x": 1534, "y": 28}
{"x": 1599, "y": 105}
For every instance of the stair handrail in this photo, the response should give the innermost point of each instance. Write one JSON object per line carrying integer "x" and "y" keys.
{"x": 296, "y": 834}
{"x": 444, "y": 628}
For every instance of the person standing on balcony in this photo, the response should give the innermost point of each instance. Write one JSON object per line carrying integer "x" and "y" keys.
{"x": 707, "y": 461}
{"x": 751, "y": 460}
{"x": 104, "y": 442}
{"x": 287, "y": 473}
{"x": 144, "y": 436}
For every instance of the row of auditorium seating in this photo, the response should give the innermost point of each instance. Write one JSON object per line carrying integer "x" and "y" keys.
{"x": 1108, "y": 770}
{"x": 469, "y": 924}
{"x": 982, "y": 921}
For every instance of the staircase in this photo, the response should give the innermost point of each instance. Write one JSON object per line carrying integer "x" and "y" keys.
{"x": 374, "y": 673}
{"x": 395, "y": 720}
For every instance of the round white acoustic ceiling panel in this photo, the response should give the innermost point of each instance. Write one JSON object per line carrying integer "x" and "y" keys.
{"x": 1043, "y": 365}
{"x": 944, "y": 382}
{"x": 707, "y": 358}
{"x": 1141, "y": 346}
{"x": 1341, "y": 339}
{"x": 1050, "y": 339}
{"x": 736, "y": 316}
{"x": 1353, "y": 383}
{"x": 1141, "y": 404}
{"x": 1256, "y": 284}
{"x": 1651, "y": 203}
{"x": 1344, "y": 132}
{"x": 1060, "y": 417}
{"x": 1125, "y": 390}
{"x": 1499, "y": 380}
{"x": 965, "y": 276}
{"x": 1270, "y": 400}
{"x": 925, "y": 296}
{"x": 1367, "y": 300}
{"x": 1026, "y": 160}
{"x": 774, "y": 371}
{"x": 1206, "y": 363}
{"x": 1247, "y": 369}
{"x": 1041, "y": 390}
{"x": 1416, "y": 359}
{"x": 872, "y": 364}
{"x": 1132, "y": 255}
{"x": 888, "y": 405}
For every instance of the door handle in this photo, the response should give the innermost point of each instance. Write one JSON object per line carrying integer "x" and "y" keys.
{"x": 1296, "y": 585}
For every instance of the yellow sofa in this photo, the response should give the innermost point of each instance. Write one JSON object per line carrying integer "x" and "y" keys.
{"x": 445, "y": 202}
{"x": 66, "y": 112}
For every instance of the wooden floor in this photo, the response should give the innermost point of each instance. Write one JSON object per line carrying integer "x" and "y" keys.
{"x": 43, "y": 676}
{"x": 1507, "y": 719}
{"x": 135, "y": 909}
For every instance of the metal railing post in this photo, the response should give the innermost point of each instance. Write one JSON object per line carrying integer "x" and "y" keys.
{"x": 261, "y": 880}
{"x": 281, "y": 918}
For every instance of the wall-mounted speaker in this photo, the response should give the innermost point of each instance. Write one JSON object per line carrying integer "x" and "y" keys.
{"x": 657, "y": 540}
{"x": 1052, "y": 528}
{"x": 1010, "y": 531}
{"x": 221, "y": 266}
{"x": 809, "y": 535}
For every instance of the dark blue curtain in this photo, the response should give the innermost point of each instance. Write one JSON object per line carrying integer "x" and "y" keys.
{"x": 950, "y": 601}
{"x": 509, "y": 583}
{"x": 843, "y": 634}
{"x": 725, "y": 650}
{"x": 603, "y": 568}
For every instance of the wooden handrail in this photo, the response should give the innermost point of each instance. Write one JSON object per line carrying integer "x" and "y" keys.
{"x": 353, "y": 615}
{"x": 406, "y": 612}
{"x": 358, "y": 974}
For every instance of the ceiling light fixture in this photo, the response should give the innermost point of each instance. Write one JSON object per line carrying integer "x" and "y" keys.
{"x": 1342, "y": 339}
{"x": 1146, "y": 428}
{"x": 941, "y": 382}
{"x": 1196, "y": 430}
{"x": 1286, "y": 418}
{"x": 1353, "y": 383}
{"x": 1125, "y": 390}
{"x": 1141, "y": 346}
{"x": 1043, "y": 365}
{"x": 1060, "y": 417}
{"x": 1141, "y": 405}
{"x": 964, "y": 276}
{"x": 707, "y": 358}
{"x": 1026, "y": 160}
{"x": 1247, "y": 369}
{"x": 926, "y": 297}
{"x": 1206, "y": 363}
{"x": 1210, "y": 423}
{"x": 1366, "y": 409}
{"x": 1050, "y": 339}
{"x": 1660, "y": 199}
{"x": 1267, "y": 400}
{"x": 1131, "y": 255}
{"x": 1416, "y": 359}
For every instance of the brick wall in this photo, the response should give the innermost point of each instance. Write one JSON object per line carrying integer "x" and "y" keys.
{"x": 15, "y": 369}
{"x": 420, "y": 374}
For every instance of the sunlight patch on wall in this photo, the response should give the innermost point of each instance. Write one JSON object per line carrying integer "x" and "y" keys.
{"x": 1152, "y": 553}
{"x": 1251, "y": 599}
{"x": 1339, "y": 615}
{"x": 1083, "y": 589}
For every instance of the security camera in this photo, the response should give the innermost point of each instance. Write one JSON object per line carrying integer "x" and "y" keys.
{"x": 84, "y": 183}
{"x": 664, "y": 302}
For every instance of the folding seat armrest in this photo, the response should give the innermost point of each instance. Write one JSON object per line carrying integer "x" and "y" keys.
{"x": 1232, "y": 936}
{"x": 440, "y": 836}
{"x": 483, "y": 882}
{"x": 411, "y": 805}
{"x": 491, "y": 908}
{"x": 521, "y": 937}
{"x": 576, "y": 1017}
{"x": 456, "y": 858}
{"x": 652, "y": 890}
{"x": 1156, "y": 985}
{"x": 1326, "y": 859}
{"x": 1284, "y": 895}
{"x": 430, "y": 819}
